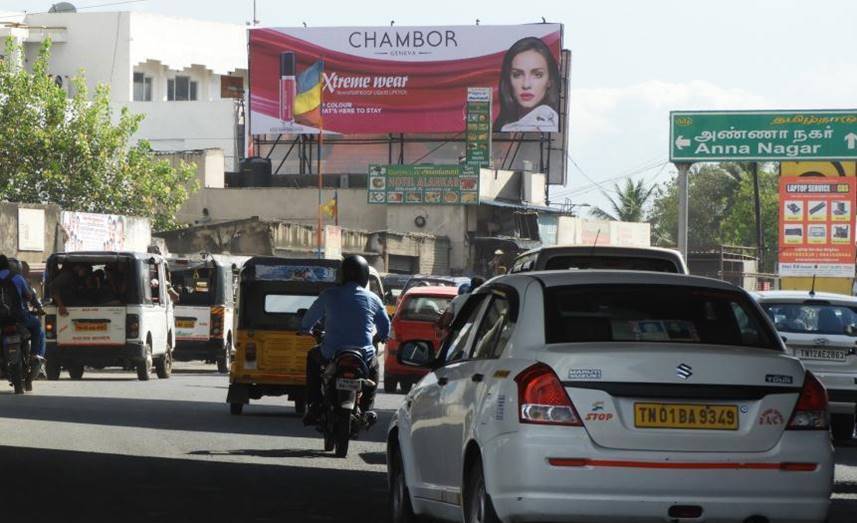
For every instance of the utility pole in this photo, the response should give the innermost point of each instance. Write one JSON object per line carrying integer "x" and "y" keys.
{"x": 760, "y": 242}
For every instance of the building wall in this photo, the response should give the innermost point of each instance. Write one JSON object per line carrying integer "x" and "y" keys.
{"x": 209, "y": 165}
{"x": 9, "y": 231}
{"x": 451, "y": 221}
{"x": 292, "y": 205}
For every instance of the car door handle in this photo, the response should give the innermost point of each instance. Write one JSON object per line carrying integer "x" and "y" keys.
{"x": 477, "y": 378}
{"x": 442, "y": 381}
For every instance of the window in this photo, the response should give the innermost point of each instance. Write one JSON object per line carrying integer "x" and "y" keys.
{"x": 424, "y": 308}
{"x": 653, "y": 314}
{"x": 181, "y": 88}
{"x": 494, "y": 331}
{"x": 142, "y": 88}
{"x": 619, "y": 263}
{"x": 287, "y": 304}
{"x": 460, "y": 333}
{"x": 811, "y": 317}
{"x": 375, "y": 286}
{"x": 153, "y": 289}
{"x": 195, "y": 286}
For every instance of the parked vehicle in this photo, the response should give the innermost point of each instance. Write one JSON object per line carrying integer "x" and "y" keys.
{"x": 205, "y": 309}
{"x": 415, "y": 319}
{"x": 821, "y": 330}
{"x": 421, "y": 280}
{"x": 270, "y": 353}
{"x": 118, "y": 313}
{"x": 393, "y": 285}
{"x": 600, "y": 257}
{"x": 610, "y": 396}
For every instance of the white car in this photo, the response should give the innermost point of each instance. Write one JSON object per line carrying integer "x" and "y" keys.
{"x": 610, "y": 396}
{"x": 821, "y": 329}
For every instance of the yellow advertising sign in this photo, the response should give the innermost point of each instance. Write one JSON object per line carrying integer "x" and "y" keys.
{"x": 832, "y": 169}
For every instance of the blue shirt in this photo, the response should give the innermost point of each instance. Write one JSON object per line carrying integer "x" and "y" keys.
{"x": 351, "y": 314}
{"x": 23, "y": 289}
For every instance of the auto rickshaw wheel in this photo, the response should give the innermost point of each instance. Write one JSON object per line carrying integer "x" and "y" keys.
{"x": 389, "y": 385}
{"x": 236, "y": 408}
{"x": 75, "y": 371}
{"x": 300, "y": 406}
{"x": 144, "y": 366}
{"x": 52, "y": 369}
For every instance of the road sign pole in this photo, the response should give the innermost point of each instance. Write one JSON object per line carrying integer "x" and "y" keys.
{"x": 760, "y": 243}
{"x": 683, "y": 169}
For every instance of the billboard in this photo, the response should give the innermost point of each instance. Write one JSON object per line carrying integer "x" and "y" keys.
{"x": 354, "y": 80}
{"x": 423, "y": 184}
{"x": 105, "y": 232}
{"x": 817, "y": 226}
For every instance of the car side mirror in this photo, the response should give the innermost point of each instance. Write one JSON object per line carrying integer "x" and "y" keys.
{"x": 416, "y": 354}
{"x": 851, "y": 330}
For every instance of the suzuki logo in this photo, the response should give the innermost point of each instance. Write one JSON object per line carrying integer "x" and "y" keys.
{"x": 684, "y": 371}
{"x": 821, "y": 341}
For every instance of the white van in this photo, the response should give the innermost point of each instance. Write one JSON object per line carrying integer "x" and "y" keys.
{"x": 204, "y": 312}
{"x": 108, "y": 309}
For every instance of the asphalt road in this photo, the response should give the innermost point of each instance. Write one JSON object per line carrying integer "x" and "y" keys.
{"x": 111, "y": 448}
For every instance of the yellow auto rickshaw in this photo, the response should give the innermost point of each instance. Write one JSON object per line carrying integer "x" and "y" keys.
{"x": 270, "y": 354}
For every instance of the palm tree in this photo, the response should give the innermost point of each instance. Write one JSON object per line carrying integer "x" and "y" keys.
{"x": 629, "y": 203}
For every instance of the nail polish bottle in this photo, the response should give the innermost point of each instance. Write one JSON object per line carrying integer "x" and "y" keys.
{"x": 288, "y": 87}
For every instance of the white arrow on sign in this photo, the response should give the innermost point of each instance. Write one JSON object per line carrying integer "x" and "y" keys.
{"x": 851, "y": 138}
{"x": 681, "y": 142}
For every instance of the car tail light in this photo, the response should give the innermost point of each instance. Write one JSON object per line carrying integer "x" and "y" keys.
{"x": 50, "y": 326}
{"x": 132, "y": 326}
{"x": 811, "y": 411}
{"x": 542, "y": 398}
{"x": 216, "y": 322}
{"x": 250, "y": 351}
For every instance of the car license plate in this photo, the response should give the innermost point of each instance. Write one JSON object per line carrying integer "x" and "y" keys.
{"x": 821, "y": 354}
{"x": 88, "y": 326}
{"x": 346, "y": 384}
{"x": 185, "y": 324}
{"x": 681, "y": 416}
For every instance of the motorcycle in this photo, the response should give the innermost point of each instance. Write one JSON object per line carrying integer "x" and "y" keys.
{"x": 344, "y": 381}
{"x": 15, "y": 360}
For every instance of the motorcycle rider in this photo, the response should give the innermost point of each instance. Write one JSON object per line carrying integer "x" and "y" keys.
{"x": 350, "y": 314}
{"x": 29, "y": 320}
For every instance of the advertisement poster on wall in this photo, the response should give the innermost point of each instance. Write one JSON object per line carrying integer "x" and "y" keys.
{"x": 402, "y": 79}
{"x": 105, "y": 232}
{"x": 816, "y": 226}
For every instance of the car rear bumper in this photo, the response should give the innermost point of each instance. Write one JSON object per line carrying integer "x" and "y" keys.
{"x": 617, "y": 485}
{"x": 191, "y": 350}
{"x": 106, "y": 355}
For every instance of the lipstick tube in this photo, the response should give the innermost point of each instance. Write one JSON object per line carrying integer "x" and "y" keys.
{"x": 288, "y": 87}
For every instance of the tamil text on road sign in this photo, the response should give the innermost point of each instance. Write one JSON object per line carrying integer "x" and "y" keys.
{"x": 817, "y": 226}
{"x": 763, "y": 135}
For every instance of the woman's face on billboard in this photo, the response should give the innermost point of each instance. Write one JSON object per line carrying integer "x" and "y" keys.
{"x": 530, "y": 79}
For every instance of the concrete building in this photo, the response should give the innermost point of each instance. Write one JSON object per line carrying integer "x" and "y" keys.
{"x": 186, "y": 76}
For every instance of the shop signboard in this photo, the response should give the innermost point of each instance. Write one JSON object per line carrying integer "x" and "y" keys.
{"x": 478, "y": 133}
{"x": 424, "y": 184}
{"x": 816, "y": 226}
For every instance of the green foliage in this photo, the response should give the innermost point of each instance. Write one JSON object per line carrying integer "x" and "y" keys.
{"x": 74, "y": 152}
{"x": 739, "y": 227}
{"x": 629, "y": 204}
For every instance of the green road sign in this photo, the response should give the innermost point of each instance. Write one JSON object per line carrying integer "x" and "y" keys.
{"x": 478, "y": 136}
{"x": 763, "y": 135}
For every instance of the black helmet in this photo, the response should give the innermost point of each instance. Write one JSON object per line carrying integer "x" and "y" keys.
{"x": 355, "y": 269}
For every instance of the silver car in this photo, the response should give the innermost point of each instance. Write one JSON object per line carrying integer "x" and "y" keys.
{"x": 821, "y": 329}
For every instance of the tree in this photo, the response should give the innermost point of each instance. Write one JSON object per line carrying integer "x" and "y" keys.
{"x": 739, "y": 226}
{"x": 630, "y": 202}
{"x": 73, "y": 152}
{"x": 711, "y": 195}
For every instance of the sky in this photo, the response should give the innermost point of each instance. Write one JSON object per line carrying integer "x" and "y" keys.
{"x": 632, "y": 61}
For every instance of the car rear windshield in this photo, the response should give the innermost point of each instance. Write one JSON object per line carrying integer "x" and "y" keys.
{"x": 811, "y": 317}
{"x": 653, "y": 313}
{"x": 423, "y": 308}
{"x": 622, "y": 263}
{"x": 195, "y": 286}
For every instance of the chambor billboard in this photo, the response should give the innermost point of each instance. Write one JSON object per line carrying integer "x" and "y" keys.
{"x": 352, "y": 80}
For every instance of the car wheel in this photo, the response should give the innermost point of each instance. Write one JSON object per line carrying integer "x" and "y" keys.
{"x": 300, "y": 406}
{"x": 144, "y": 366}
{"x": 842, "y": 426}
{"x": 236, "y": 408}
{"x": 75, "y": 371}
{"x": 477, "y": 503}
{"x": 52, "y": 369}
{"x": 407, "y": 386}
{"x": 389, "y": 385}
{"x": 164, "y": 365}
{"x": 401, "y": 510}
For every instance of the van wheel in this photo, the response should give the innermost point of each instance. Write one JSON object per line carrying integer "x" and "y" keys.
{"x": 164, "y": 365}
{"x": 389, "y": 385}
{"x": 226, "y": 358}
{"x": 52, "y": 369}
{"x": 144, "y": 366}
{"x": 236, "y": 408}
{"x": 76, "y": 371}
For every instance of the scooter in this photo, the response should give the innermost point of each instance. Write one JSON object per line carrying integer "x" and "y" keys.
{"x": 15, "y": 360}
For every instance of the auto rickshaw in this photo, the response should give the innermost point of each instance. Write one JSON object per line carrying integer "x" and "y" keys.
{"x": 270, "y": 354}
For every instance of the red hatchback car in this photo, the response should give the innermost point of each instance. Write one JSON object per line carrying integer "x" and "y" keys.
{"x": 415, "y": 319}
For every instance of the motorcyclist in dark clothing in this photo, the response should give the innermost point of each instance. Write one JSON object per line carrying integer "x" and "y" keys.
{"x": 351, "y": 315}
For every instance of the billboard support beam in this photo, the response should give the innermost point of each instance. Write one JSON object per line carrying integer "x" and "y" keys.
{"x": 760, "y": 242}
{"x": 683, "y": 169}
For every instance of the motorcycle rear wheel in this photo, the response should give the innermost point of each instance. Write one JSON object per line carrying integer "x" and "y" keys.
{"x": 342, "y": 432}
{"x": 16, "y": 376}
